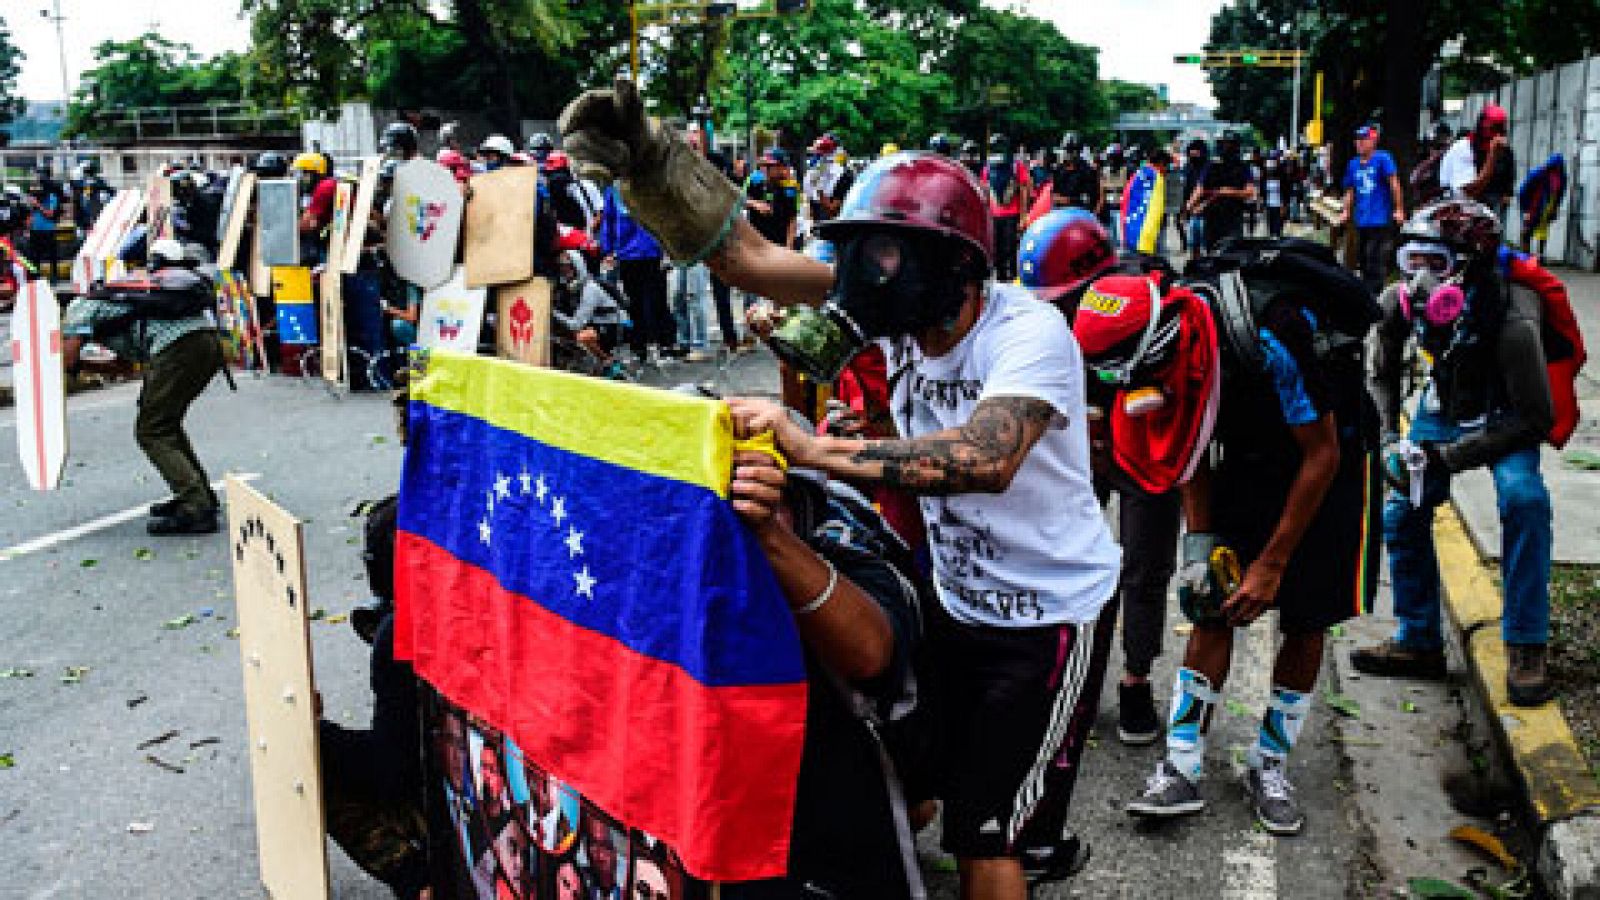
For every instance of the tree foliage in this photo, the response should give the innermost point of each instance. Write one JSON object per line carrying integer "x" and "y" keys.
{"x": 11, "y": 103}
{"x": 1126, "y": 96}
{"x": 150, "y": 71}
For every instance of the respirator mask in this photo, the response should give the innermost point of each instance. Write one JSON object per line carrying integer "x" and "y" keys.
{"x": 1430, "y": 294}
{"x": 887, "y": 283}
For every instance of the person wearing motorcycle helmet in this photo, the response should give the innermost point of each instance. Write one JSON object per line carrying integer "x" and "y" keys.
{"x": 988, "y": 395}
{"x": 1196, "y": 163}
{"x": 540, "y": 146}
{"x": 160, "y": 320}
{"x": 270, "y": 164}
{"x": 399, "y": 141}
{"x": 1276, "y": 507}
{"x": 1061, "y": 254}
{"x": 1487, "y": 403}
{"x": 495, "y": 151}
{"x": 1075, "y": 184}
{"x": 318, "y": 192}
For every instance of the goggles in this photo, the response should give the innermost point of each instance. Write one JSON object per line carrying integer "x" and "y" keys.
{"x": 1155, "y": 345}
{"x": 1415, "y": 257}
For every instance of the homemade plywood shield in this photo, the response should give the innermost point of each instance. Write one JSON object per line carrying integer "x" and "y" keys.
{"x": 452, "y": 315}
{"x": 235, "y": 215}
{"x": 100, "y": 246}
{"x": 158, "y": 205}
{"x": 39, "y": 383}
{"x": 258, "y": 274}
{"x": 497, "y": 247}
{"x": 522, "y": 321}
{"x": 297, "y": 311}
{"x": 278, "y": 221}
{"x": 424, "y": 223}
{"x": 360, "y": 213}
{"x": 269, "y": 583}
{"x": 331, "y": 293}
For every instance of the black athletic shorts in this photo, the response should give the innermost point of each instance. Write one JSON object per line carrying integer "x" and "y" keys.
{"x": 1333, "y": 574}
{"x": 1015, "y": 709}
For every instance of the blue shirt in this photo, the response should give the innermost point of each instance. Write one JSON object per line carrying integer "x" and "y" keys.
{"x": 42, "y": 222}
{"x": 1374, "y": 204}
{"x": 620, "y": 235}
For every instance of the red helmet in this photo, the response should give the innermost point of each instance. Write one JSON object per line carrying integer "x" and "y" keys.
{"x": 824, "y": 145}
{"x": 917, "y": 191}
{"x": 1464, "y": 226}
{"x": 1062, "y": 250}
{"x": 556, "y": 162}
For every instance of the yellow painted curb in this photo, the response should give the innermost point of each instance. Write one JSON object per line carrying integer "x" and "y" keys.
{"x": 1539, "y": 740}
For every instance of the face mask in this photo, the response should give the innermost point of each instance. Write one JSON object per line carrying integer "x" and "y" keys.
{"x": 886, "y": 285}
{"x": 1436, "y": 302}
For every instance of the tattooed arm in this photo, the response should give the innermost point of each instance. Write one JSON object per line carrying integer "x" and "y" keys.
{"x": 981, "y": 456}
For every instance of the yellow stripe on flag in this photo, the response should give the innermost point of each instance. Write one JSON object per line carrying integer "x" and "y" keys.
{"x": 655, "y": 432}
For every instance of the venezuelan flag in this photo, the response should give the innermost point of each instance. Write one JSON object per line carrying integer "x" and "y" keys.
{"x": 569, "y": 569}
{"x": 297, "y": 311}
{"x": 1144, "y": 204}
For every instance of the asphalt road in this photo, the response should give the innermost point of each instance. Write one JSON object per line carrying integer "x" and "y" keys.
{"x": 103, "y": 600}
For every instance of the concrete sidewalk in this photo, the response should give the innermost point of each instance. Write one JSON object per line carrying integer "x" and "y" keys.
{"x": 1574, "y": 491}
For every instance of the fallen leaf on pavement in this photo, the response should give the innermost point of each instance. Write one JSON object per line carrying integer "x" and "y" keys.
{"x": 1342, "y": 705}
{"x": 160, "y": 763}
{"x": 74, "y": 674}
{"x": 1237, "y": 708}
{"x": 1485, "y": 842}
{"x": 318, "y": 614}
{"x": 16, "y": 673}
{"x": 183, "y": 621}
{"x": 336, "y": 619}
{"x": 158, "y": 739}
{"x": 7, "y": 761}
{"x": 88, "y": 563}
{"x": 144, "y": 554}
{"x": 1583, "y": 459}
{"x": 135, "y": 701}
{"x": 1437, "y": 889}
{"x": 1407, "y": 706}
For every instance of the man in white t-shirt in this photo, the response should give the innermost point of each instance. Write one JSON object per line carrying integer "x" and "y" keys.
{"x": 987, "y": 388}
{"x": 1479, "y": 166}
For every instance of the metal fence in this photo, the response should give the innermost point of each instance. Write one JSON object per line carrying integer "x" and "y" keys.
{"x": 1557, "y": 112}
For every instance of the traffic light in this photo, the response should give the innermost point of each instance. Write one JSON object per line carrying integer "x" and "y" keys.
{"x": 1190, "y": 59}
{"x": 1249, "y": 59}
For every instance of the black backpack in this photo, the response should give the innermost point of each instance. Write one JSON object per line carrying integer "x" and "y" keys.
{"x": 160, "y": 298}
{"x": 1247, "y": 275}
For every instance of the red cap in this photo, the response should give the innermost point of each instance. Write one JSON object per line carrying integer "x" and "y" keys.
{"x": 1113, "y": 313}
{"x": 556, "y": 162}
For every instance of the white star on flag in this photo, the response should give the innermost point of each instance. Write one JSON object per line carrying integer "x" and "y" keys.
{"x": 485, "y": 530}
{"x": 574, "y": 543}
{"x": 585, "y": 583}
{"x": 527, "y": 482}
{"x": 502, "y": 486}
{"x": 558, "y": 509}
{"x": 541, "y": 490}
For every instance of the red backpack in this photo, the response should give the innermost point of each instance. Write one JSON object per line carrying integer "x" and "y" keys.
{"x": 1564, "y": 352}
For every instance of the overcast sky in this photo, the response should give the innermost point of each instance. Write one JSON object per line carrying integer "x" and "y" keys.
{"x": 1137, "y": 37}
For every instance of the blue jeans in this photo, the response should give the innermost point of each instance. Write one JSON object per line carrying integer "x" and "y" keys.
{"x": 691, "y": 287}
{"x": 1197, "y": 235}
{"x": 1525, "y": 527}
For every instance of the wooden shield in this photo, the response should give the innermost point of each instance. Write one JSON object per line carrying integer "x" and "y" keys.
{"x": 269, "y": 582}
{"x": 497, "y": 247}
{"x": 360, "y": 213}
{"x": 158, "y": 207}
{"x": 522, "y": 321}
{"x": 424, "y": 224}
{"x": 105, "y": 238}
{"x": 242, "y": 190}
{"x": 39, "y": 385}
{"x": 452, "y": 315}
{"x": 278, "y": 221}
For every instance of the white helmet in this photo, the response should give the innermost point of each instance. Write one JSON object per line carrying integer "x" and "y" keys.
{"x": 497, "y": 143}
{"x": 165, "y": 252}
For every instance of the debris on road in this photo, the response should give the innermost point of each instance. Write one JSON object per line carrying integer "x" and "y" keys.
{"x": 158, "y": 739}
{"x": 74, "y": 674}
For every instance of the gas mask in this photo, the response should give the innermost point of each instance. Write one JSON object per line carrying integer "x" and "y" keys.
{"x": 888, "y": 283}
{"x": 1430, "y": 295}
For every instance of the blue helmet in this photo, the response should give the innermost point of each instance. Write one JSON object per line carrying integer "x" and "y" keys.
{"x": 1062, "y": 251}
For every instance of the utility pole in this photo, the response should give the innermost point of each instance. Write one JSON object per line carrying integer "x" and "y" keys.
{"x": 61, "y": 52}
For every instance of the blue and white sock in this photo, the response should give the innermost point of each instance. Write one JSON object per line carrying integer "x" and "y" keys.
{"x": 1192, "y": 699}
{"x": 1280, "y": 727}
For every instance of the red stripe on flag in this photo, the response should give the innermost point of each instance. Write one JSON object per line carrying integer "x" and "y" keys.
{"x": 711, "y": 771}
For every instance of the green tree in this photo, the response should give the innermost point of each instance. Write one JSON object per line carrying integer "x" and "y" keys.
{"x": 146, "y": 71}
{"x": 1126, "y": 96}
{"x": 1020, "y": 75}
{"x": 11, "y": 103}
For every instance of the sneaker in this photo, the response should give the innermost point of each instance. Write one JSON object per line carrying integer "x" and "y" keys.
{"x": 1137, "y": 722}
{"x": 1057, "y": 862}
{"x": 183, "y": 522}
{"x": 1272, "y": 799}
{"x": 1392, "y": 659}
{"x": 1167, "y": 793}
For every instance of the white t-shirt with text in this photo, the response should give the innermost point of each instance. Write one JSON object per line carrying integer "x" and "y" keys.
{"x": 1040, "y": 553}
{"x": 1456, "y": 170}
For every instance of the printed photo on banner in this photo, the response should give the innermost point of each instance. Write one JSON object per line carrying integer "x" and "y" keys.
{"x": 603, "y": 853}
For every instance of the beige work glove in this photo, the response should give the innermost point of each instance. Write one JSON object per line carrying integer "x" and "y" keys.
{"x": 670, "y": 189}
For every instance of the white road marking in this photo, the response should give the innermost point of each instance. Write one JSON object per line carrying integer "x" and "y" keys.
{"x": 77, "y": 531}
{"x": 1249, "y": 861}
